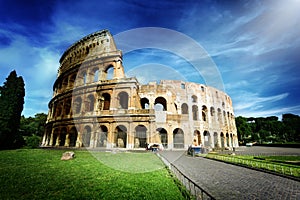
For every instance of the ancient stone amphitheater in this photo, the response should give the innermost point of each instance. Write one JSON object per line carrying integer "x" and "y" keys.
{"x": 95, "y": 106}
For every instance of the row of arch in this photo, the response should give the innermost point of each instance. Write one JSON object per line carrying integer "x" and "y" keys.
{"x": 84, "y": 77}
{"x": 71, "y": 138}
{"x": 160, "y": 103}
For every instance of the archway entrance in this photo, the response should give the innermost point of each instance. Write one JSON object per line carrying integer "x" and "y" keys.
{"x": 86, "y": 137}
{"x": 178, "y": 138}
{"x": 140, "y": 137}
{"x": 102, "y": 137}
{"x": 163, "y": 137}
{"x": 121, "y": 136}
{"x": 197, "y": 134}
{"x": 73, "y": 137}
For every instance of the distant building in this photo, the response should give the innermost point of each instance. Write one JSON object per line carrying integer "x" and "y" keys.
{"x": 90, "y": 109}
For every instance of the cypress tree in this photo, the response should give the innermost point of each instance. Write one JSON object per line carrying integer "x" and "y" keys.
{"x": 11, "y": 106}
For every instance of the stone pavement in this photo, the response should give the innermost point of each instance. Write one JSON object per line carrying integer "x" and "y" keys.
{"x": 226, "y": 181}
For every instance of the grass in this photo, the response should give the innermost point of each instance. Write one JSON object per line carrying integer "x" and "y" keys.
{"x": 40, "y": 174}
{"x": 286, "y": 165}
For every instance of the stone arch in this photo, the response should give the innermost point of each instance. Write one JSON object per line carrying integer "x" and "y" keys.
{"x": 216, "y": 144}
{"x": 65, "y": 83}
{"x": 227, "y": 140}
{"x": 219, "y": 115}
{"x": 207, "y": 139}
{"x": 123, "y": 100}
{"x": 178, "y": 138}
{"x": 204, "y": 113}
{"x": 77, "y": 105}
{"x": 195, "y": 112}
{"x": 140, "y": 136}
{"x": 121, "y": 136}
{"x": 54, "y": 137}
{"x": 145, "y": 103}
{"x": 90, "y": 102}
{"x": 109, "y": 72}
{"x": 194, "y": 99}
{"x": 59, "y": 108}
{"x": 62, "y": 136}
{"x": 106, "y": 101}
{"x": 212, "y": 111}
{"x": 223, "y": 140}
{"x": 163, "y": 134}
{"x": 160, "y": 102}
{"x": 73, "y": 137}
{"x": 102, "y": 137}
{"x": 82, "y": 78}
{"x": 184, "y": 108}
{"x": 67, "y": 107}
{"x": 95, "y": 75}
{"x": 197, "y": 136}
{"x": 86, "y": 136}
{"x": 72, "y": 81}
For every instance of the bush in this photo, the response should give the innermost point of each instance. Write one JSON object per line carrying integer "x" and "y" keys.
{"x": 33, "y": 141}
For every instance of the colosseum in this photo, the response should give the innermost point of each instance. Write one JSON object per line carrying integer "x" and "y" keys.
{"x": 94, "y": 105}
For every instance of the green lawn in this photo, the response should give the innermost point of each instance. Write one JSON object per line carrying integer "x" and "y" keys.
{"x": 40, "y": 174}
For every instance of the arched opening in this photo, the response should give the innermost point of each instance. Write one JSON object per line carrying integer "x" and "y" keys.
{"x": 222, "y": 140}
{"x": 59, "y": 109}
{"x": 83, "y": 78}
{"x": 77, "y": 105}
{"x": 204, "y": 113}
{"x": 109, "y": 72}
{"x": 219, "y": 115}
{"x": 207, "y": 139}
{"x": 106, "y": 101}
{"x": 123, "y": 100}
{"x": 161, "y": 104}
{"x": 54, "y": 138}
{"x": 96, "y": 75}
{"x": 73, "y": 137}
{"x": 72, "y": 81}
{"x": 184, "y": 108}
{"x": 194, "y": 99}
{"x": 121, "y": 136}
{"x": 163, "y": 137}
{"x": 145, "y": 103}
{"x": 62, "y": 137}
{"x": 178, "y": 138}
{"x": 140, "y": 137}
{"x": 67, "y": 106}
{"x": 65, "y": 83}
{"x": 216, "y": 139}
{"x": 197, "y": 134}
{"x": 102, "y": 137}
{"x": 89, "y": 106}
{"x": 195, "y": 112}
{"x": 212, "y": 111}
{"x": 86, "y": 136}
{"x": 227, "y": 139}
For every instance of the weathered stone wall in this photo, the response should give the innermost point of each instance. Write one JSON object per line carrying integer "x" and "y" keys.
{"x": 91, "y": 109}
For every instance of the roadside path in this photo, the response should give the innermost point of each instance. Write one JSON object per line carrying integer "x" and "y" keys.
{"x": 226, "y": 181}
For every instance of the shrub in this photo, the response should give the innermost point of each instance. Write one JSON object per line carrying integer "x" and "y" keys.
{"x": 33, "y": 141}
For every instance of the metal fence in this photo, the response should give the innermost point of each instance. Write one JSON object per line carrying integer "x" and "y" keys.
{"x": 198, "y": 192}
{"x": 279, "y": 168}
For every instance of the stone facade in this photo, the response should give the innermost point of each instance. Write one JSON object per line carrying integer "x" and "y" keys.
{"x": 95, "y": 105}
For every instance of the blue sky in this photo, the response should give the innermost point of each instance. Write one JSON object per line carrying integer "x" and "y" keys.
{"x": 254, "y": 44}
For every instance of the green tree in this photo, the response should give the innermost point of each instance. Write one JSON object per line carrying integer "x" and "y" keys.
{"x": 243, "y": 128}
{"x": 11, "y": 106}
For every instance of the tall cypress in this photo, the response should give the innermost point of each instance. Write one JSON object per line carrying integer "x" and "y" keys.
{"x": 11, "y": 106}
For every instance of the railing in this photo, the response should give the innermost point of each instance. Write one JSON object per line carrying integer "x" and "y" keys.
{"x": 278, "y": 168}
{"x": 189, "y": 184}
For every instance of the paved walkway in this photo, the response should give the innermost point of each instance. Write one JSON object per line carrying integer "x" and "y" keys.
{"x": 226, "y": 181}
